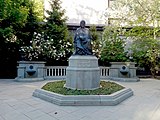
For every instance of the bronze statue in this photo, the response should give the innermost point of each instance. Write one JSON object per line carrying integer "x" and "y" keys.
{"x": 82, "y": 40}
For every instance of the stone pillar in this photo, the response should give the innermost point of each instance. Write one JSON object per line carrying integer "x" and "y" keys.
{"x": 132, "y": 70}
{"x": 83, "y": 73}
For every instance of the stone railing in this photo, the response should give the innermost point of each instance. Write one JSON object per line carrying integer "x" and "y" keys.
{"x": 104, "y": 72}
{"x": 36, "y": 71}
{"x": 59, "y": 72}
{"x": 55, "y": 72}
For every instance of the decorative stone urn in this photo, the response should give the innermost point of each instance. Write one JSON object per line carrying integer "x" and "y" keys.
{"x": 30, "y": 71}
{"x": 83, "y": 72}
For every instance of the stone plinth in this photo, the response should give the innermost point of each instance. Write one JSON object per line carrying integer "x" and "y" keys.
{"x": 118, "y": 69}
{"x": 30, "y": 71}
{"x": 84, "y": 100}
{"x": 83, "y": 73}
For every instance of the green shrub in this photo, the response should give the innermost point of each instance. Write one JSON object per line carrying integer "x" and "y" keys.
{"x": 113, "y": 46}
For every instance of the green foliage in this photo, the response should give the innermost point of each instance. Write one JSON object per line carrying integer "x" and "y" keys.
{"x": 107, "y": 88}
{"x": 38, "y": 8}
{"x": 56, "y": 27}
{"x": 143, "y": 17}
{"x": 113, "y": 46}
{"x": 96, "y": 41}
{"x": 53, "y": 42}
{"x": 13, "y": 16}
{"x": 57, "y": 33}
{"x": 26, "y": 34}
{"x": 135, "y": 12}
{"x": 140, "y": 31}
{"x": 18, "y": 21}
{"x": 145, "y": 48}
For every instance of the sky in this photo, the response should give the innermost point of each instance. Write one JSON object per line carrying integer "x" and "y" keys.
{"x": 90, "y": 11}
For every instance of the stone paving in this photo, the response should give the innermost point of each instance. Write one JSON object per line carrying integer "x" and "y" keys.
{"x": 17, "y": 103}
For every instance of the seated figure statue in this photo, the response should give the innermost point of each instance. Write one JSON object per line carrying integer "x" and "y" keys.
{"x": 82, "y": 40}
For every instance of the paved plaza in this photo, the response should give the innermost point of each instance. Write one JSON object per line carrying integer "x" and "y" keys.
{"x": 17, "y": 103}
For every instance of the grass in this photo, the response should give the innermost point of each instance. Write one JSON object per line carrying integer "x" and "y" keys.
{"x": 106, "y": 89}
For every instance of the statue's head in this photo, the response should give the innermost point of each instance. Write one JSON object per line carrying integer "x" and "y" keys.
{"x": 82, "y": 23}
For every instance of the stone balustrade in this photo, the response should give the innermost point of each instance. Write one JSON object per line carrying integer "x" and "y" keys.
{"x": 59, "y": 72}
{"x": 55, "y": 72}
{"x": 42, "y": 72}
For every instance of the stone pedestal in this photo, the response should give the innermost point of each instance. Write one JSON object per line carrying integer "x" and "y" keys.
{"x": 83, "y": 73}
{"x": 125, "y": 71}
{"x": 30, "y": 71}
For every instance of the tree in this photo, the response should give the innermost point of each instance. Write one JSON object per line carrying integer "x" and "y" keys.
{"x": 14, "y": 17}
{"x": 18, "y": 20}
{"x": 57, "y": 33}
{"x": 38, "y": 8}
{"x": 113, "y": 46}
{"x": 33, "y": 22}
{"x": 143, "y": 18}
{"x": 135, "y": 12}
{"x": 145, "y": 48}
{"x": 96, "y": 41}
{"x": 53, "y": 43}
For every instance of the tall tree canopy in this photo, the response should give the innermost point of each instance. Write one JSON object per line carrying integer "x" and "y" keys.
{"x": 53, "y": 42}
{"x": 142, "y": 20}
{"x": 57, "y": 33}
{"x": 135, "y": 12}
{"x": 15, "y": 15}
{"x": 18, "y": 20}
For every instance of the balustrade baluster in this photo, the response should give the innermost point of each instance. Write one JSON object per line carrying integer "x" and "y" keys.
{"x": 57, "y": 71}
{"x": 60, "y": 71}
{"x": 61, "y": 74}
{"x": 49, "y": 72}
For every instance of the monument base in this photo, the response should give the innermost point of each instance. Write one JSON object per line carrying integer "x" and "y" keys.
{"x": 83, "y": 73}
{"x": 28, "y": 79}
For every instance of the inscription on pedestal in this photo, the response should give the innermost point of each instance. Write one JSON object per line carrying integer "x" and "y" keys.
{"x": 84, "y": 64}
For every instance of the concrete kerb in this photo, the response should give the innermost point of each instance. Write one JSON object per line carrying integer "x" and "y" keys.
{"x": 28, "y": 79}
{"x": 136, "y": 79}
{"x": 84, "y": 100}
